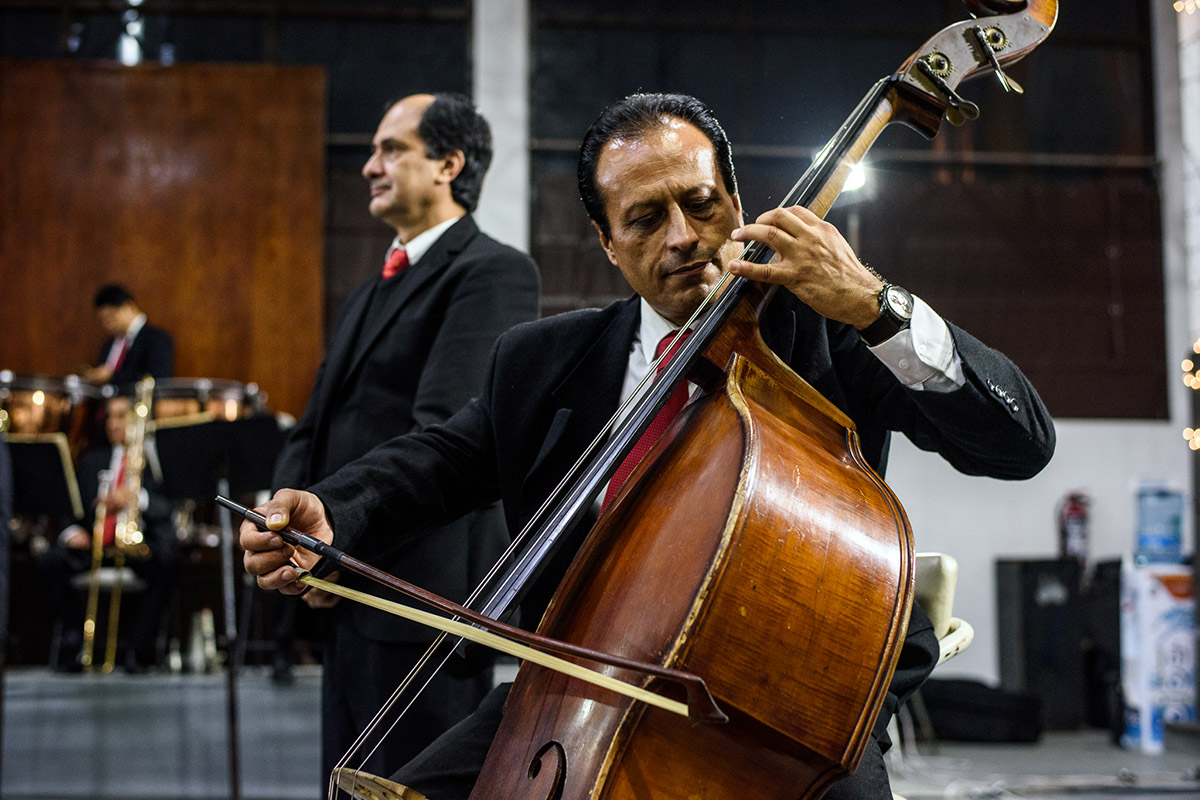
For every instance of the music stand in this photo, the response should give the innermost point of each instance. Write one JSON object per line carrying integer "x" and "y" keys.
{"x": 196, "y": 452}
{"x": 44, "y": 480}
{"x": 201, "y": 457}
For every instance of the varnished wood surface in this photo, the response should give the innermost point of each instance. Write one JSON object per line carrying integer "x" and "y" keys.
{"x": 757, "y": 549}
{"x": 198, "y": 186}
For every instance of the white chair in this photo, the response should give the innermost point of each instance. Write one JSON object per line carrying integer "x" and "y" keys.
{"x": 937, "y": 576}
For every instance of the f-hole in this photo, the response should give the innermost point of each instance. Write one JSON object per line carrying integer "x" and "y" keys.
{"x": 548, "y": 771}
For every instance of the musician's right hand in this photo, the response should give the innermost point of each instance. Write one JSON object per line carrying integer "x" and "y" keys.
{"x": 100, "y": 374}
{"x": 268, "y": 557}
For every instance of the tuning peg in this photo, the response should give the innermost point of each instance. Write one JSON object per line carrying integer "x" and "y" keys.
{"x": 992, "y": 39}
{"x": 958, "y": 108}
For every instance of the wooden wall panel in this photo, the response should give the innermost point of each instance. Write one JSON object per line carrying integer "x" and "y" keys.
{"x": 198, "y": 186}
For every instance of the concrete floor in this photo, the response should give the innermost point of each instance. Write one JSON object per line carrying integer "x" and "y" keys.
{"x": 1076, "y": 764}
{"x": 165, "y": 736}
{"x": 146, "y": 737}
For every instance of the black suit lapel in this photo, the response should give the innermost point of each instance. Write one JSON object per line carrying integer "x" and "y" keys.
{"x": 587, "y": 397}
{"x": 126, "y": 373}
{"x": 416, "y": 276}
{"x": 341, "y": 349}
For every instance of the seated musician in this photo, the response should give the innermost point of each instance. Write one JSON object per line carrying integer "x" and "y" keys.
{"x": 72, "y": 554}
{"x": 657, "y": 178}
{"x": 134, "y": 348}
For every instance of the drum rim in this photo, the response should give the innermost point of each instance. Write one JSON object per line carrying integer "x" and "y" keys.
{"x": 212, "y": 387}
{"x": 71, "y": 385}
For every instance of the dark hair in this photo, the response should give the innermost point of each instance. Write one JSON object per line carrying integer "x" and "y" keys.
{"x": 451, "y": 122}
{"x": 632, "y": 118}
{"x": 113, "y": 294}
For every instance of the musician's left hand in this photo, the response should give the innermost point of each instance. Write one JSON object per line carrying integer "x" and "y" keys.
{"x": 118, "y": 498}
{"x": 76, "y": 538}
{"x": 814, "y": 262}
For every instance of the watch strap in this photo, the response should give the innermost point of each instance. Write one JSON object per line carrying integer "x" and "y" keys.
{"x": 888, "y": 325}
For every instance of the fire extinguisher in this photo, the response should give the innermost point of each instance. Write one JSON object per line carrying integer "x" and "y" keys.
{"x": 1073, "y": 527}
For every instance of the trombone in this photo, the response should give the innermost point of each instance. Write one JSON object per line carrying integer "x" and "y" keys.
{"x": 128, "y": 539}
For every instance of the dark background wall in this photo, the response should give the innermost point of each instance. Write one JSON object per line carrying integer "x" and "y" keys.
{"x": 1037, "y": 226}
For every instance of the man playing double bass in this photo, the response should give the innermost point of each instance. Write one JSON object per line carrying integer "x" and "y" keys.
{"x": 656, "y": 176}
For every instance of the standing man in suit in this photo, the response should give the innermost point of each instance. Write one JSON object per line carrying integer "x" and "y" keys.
{"x": 409, "y": 349}
{"x": 134, "y": 348}
{"x": 656, "y": 176}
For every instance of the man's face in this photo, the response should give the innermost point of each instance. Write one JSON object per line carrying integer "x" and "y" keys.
{"x": 669, "y": 215}
{"x": 402, "y": 180}
{"x": 118, "y": 416}
{"x": 114, "y": 320}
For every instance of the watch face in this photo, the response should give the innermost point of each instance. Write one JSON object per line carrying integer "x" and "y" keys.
{"x": 900, "y": 302}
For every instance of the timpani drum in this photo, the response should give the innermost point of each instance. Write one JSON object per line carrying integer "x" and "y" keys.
{"x": 212, "y": 398}
{"x": 34, "y": 404}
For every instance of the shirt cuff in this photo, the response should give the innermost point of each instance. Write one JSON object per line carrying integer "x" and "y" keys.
{"x": 923, "y": 356}
{"x": 70, "y": 531}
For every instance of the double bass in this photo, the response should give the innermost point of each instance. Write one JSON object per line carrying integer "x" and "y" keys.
{"x": 754, "y": 547}
{"x": 789, "y": 559}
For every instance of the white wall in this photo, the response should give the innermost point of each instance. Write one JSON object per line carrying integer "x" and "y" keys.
{"x": 978, "y": 520}
{"x": 500, "y": 77}
{"x": 1185, "y": 169}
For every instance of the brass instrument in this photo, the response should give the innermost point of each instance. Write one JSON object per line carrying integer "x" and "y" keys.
{"x": 129, "y": 540}
{"x": 93, "y": 600}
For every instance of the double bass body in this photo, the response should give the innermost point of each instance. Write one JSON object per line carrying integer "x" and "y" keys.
{"x": 753, "y": 546}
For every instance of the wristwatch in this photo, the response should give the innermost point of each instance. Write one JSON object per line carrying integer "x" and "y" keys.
{"x": 895, "y": 313}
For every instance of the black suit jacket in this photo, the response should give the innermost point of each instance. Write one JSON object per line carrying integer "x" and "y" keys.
{"x": 423, "y": 358}
{"x": 6, "y": 485}
{"x": 553, "y": 383}
{"x": 152, "y": 352}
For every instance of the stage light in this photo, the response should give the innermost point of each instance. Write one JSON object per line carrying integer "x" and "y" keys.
{"x": 857, "y": 178}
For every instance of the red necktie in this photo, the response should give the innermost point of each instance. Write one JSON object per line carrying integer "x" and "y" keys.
{"x": 122, "y": 348}
{"x": 397, "y": 260}
{"x": 658, "y": 425}
{"x": 110, "y": 517}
